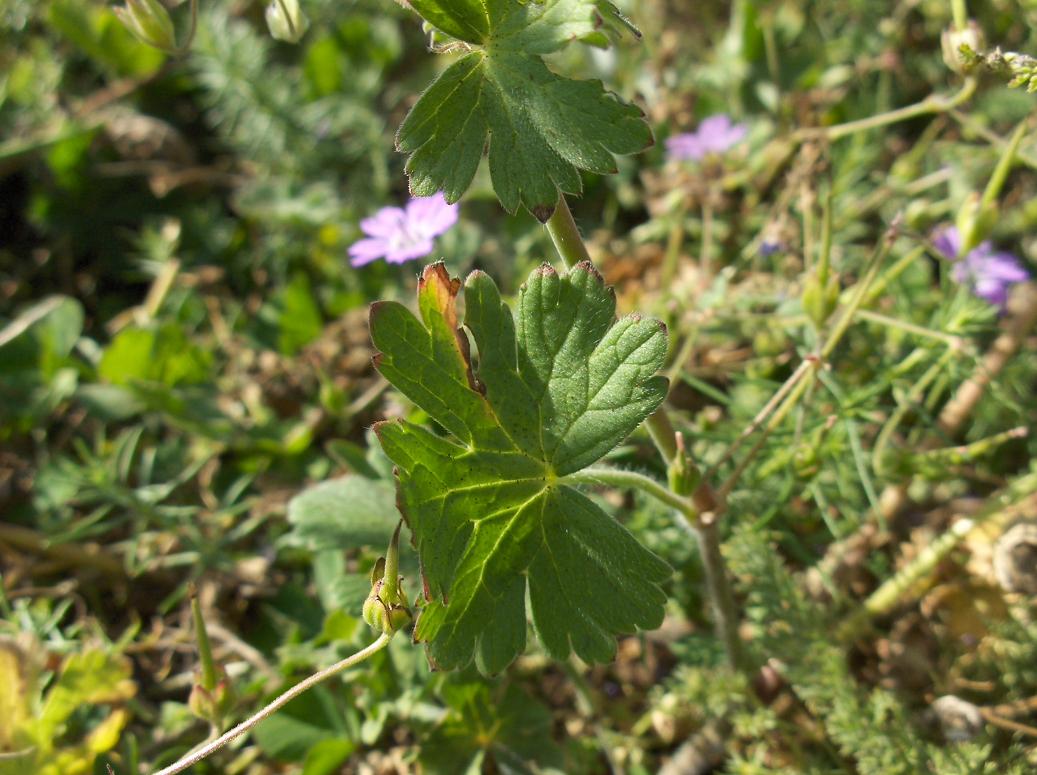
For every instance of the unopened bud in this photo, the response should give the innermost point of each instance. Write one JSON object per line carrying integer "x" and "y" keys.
{"x": 213, "y": 705}
{"x": 683, "y": 475}
{"x": 975, "y": 220}
{"x": 386, "y": 609}
{"x": 286, "y": 20}
{"x": 961, "y": 47}
{"x": 820, "y": 298}
{"x": 150, "y": 23}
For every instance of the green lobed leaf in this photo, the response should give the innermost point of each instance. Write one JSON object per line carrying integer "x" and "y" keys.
{"x": 539, "y": 128}
{"x": 463, "y": 19}
{"x": 557, "y": 386}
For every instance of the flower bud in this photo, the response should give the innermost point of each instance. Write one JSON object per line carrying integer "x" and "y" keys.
{"x": 960, "y": 720}
{"x": 975, "y": 220}
{"x": 1015, "y": 559}
{"x": 820, "y": 298}
{"x": 213, "y": 705}
{"x": 386, "y": 609}
{"x": 961, "y": 47}
{"x": 286, "y": 20}
{"x": 683, "y": 475}
{"x": 150, "y": 23}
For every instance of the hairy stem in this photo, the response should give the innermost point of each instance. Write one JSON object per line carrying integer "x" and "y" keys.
{"x": 279, "y": 702}
{"x": 703, "y": 527}
{"x": 566, "y": 235}
{"x": 934, "y": 103}
{"x": 1004, "y": 166}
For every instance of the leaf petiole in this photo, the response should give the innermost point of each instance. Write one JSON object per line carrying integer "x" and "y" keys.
{"x": 279, "y": 702}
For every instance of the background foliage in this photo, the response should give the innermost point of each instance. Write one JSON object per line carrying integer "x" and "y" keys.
{"x": 184, "y": 351}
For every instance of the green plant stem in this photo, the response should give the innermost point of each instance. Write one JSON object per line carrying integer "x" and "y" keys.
{"x": 898, "y": 268}
{"x": 566, "y": 235}
{"x": 704, "y": 528}
{"x": 279, "y": 702}
{"x": 825, "y": 258}
{"x": 1004, "y": 166}
{"x": 885, "y": 434}
{"x": 960, "y": 14}
{"x": 956, "y": 343}
{"x": 857, "y": 299}
{"x": 615, "y": 477}
{"x": 888, "y": 596}
{"x": 791, "y": 400}
{"x": 971, "y": 124}
{"x": 766, "y": 411}
{"x": 934, "y": 103}
{"x": 661, "y": 430}
{"x": 674, "y": 242}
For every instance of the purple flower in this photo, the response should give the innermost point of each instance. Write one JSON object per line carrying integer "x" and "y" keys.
{"x": 715, "y": 134}
{"x": 986, "y": 271}
{"x": 402, "y": 234}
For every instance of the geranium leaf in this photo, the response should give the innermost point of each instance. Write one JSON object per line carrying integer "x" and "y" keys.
{"x": 557, "y": 386}
{"x": 463, "y": 19}
{"x": 540, "y": 128}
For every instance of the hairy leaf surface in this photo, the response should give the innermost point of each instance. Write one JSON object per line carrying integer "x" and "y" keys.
{"x": 540, "y": 129}
{"x": 557, "y": 386}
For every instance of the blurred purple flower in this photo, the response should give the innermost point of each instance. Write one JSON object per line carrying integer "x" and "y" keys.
{"x": 715, "y": 134}
{"x": 402, "y": 234}
{"x": 988, "y": 272}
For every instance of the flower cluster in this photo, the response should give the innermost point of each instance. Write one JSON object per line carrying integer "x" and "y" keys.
{"x": 400, "y": 234}
{"x": 988, "y": 272}
{"x": 715, "y": 135}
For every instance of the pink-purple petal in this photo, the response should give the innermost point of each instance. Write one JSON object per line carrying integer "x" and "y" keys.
{"x": 384, "y": 223}
{"x": 409, "y": 251}
{"x": 684, "y": 147}
{"x": 987, "y": 272}
{"x": 947, "y": 240}
{"x": 367, "y": 250}
{"x": 1005, "y": 267}
{"x": 403, "y": 234}
{"x": 716, "y": 134}
{"x": 992, "y": 291}
{"x": 431, "y": 216}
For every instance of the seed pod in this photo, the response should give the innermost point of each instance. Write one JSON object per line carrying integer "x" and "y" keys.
{"x": 960, "y": 720}
{"x": 1015, "y": 559}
